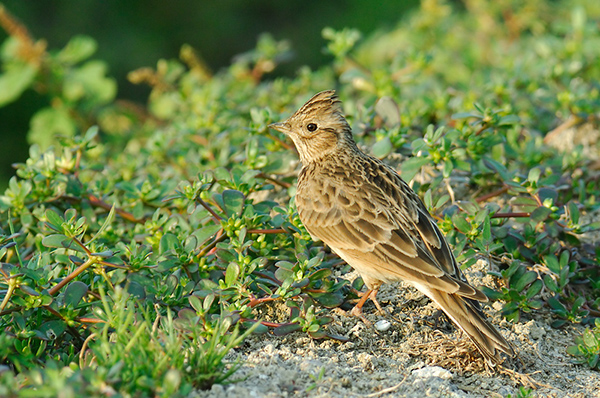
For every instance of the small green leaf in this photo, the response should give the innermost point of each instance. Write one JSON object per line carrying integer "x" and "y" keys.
{"x": 258, "y": 329}
{"x": 556, "y": 305}
{"x": 512, "y": 316}
{"x": 301, "y": 283}
{"x": 282, "y": 274}
{"x": 573, "y": 212}
{"x": 589, "y": 339}
{"x": 168, "y": 242}
{"x": 74, "y": 293}
{"x": 28, "y": 290}
{"x": 552, "y": 263}
{"x": 534, "y": 289}
{"x": 136, "y": 289}
{"x": 55, "y": 240}
{"x": 382, "y": 148}
{"x": 442, "y": 200}
{"x": 574, "y": 350}
{"x": 286, "y": 329}
{"x": 318, "y": 334}
{"x": 527, "y": 278}
{"x": 468, "y": 206}
{"x": 204, "y": 234}
{"x": 491, "y": 294}
{"x": 411, "y": 167}
{"x": 52, "y": 330}
{"x": 487, "y": 231}
{"x": 540, "y": 214}
{"x": 171, "y": 284}
{"x": 329, "y": 300}
{"x": 222, "y": 174}
{"x": 465, "y": 115}
{"x": 550, "y": 283}
{"x": 509, "y": 120}
{"x": 320, "y": 274}
{"x": 208, "y": 301}
{"x": 196, "y": 303}
{"x": 593, "y": 361}
{"x": 557, "y": 323}
{"x": 285, "y": 264}
{"x": 535, "y": 304}
{"x": 15, "y": 81}
{"x": 233, "y": 202}
{"x": 498, "y": 167}
{"x": 226, "y": 255}
{"x": 461, "y": 223}
{"x": 447, "y": 169}
{"x": 89, "y": 82}
{"x": 78, "y": 48}
{"x": 232, "y": 273}
{"x": 55, "y": 221}
{"x": 564, "y": 259}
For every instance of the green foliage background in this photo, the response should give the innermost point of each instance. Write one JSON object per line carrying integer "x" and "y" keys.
{"x": 134, "y": 34}
{"x": 158, "y": 232}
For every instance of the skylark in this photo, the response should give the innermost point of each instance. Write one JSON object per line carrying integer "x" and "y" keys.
{"x": 371, "y": 218}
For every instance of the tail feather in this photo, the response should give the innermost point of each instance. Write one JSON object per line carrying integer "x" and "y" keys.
{"x": 467, "y": 315}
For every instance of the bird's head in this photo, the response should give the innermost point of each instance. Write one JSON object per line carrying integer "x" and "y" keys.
{"x": 318, "y": 128}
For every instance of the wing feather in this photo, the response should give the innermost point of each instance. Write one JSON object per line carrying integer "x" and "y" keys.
{"x": 383, "y": 230}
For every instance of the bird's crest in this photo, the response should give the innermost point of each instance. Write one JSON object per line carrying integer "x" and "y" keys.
{"x": 324, "y": 106}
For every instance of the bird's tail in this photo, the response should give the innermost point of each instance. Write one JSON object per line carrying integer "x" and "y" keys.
{"x": 467, "y": 315}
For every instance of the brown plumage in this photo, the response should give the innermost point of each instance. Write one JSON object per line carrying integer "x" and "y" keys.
{"x": 372, "y": 219}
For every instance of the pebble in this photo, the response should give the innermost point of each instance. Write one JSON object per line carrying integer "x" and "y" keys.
{"x": 432, "y": 371}
{"x": 383, "y": 325}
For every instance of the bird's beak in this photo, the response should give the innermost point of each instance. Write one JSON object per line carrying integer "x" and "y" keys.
{"x": 284, "y": 127}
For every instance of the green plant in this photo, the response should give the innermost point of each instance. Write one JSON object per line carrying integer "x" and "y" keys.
{"x": 522, "y": 393}
{"x": 181, "y": 213}
{"x": 317, "y": 379}
{"x": 587, "y": 347}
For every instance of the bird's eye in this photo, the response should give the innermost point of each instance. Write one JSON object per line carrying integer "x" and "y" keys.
{"x": 311, "y": 127}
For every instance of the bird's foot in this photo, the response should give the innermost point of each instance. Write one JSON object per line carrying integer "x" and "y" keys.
{"x": 357, "y": 310}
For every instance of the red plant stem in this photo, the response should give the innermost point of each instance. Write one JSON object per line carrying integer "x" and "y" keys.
{"x": 275, "y": 181}
{"x": 266, "y": 323}
{"x": 211, "y": 245}
{"x": 72, "y": 275}
{"x": 89, "y": 320}
{"x": 490, "y": 195}
{"x": 254, "y": 302}
{"x": 217, "y": 217}
{"x": 85, "y": 249}
{"x": 267, "y": 276}
{"x": 510, "y": 215}
{"x": 267, "y": 231}
{"x": 107, "y": 264}
{"x": 95, "y": 201}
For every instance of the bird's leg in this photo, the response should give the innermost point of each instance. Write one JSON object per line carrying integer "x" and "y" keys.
{"x": 374, "y": 300}
{"x": 357, "y": 310}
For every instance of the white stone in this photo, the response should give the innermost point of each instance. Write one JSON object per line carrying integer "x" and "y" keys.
{"x": 432, "y": 371}
{"x": 383, "y": 325}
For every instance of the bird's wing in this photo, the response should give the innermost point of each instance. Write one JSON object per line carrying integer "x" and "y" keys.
{"x": 381, "y": 227}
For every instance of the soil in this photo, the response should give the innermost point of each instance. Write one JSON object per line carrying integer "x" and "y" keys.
{"x": 420, "y": 355}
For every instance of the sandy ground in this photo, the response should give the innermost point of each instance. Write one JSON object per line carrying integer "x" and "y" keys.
{"x": 413, "y": 358}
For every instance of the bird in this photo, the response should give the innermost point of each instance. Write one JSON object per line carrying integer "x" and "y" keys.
{"x": 370, "y": 217}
